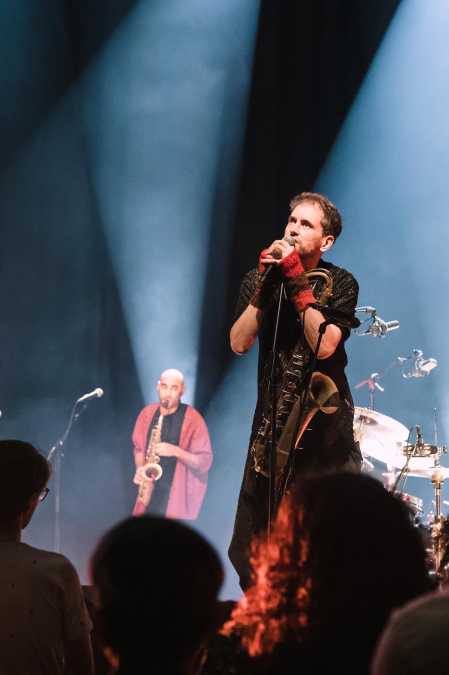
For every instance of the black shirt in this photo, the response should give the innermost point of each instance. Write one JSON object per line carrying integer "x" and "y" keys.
{"x": 170, "y": 433}
{"x": 293, "y": 358}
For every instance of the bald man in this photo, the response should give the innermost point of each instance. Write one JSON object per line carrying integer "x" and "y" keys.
{"x": 174, "y": 436}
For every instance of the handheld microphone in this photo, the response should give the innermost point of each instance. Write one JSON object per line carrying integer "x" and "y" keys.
{"x": 276, "y": 253}
{"x": 96, "y": 393}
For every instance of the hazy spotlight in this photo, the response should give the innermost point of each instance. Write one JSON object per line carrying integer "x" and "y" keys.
{"x": 155, "y": 114}
{"x": 388, "y": 171}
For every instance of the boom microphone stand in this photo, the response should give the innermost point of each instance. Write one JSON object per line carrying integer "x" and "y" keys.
{"x": 56, "y": 451}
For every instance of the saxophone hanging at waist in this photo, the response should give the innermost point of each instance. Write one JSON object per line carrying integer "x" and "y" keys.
{"x": 322, "y": 392}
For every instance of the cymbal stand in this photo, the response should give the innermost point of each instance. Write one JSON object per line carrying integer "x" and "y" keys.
{"x": 372, "y": 383}
{"x": 436, "y": 528}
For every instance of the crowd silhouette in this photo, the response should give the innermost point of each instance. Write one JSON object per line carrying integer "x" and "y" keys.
{"x": 342, "y": 585}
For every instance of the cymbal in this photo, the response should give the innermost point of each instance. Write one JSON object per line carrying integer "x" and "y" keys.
{"x": 441, "y": 472}
{"x": 380, "y": 437}
{"x": 385, "y": 439}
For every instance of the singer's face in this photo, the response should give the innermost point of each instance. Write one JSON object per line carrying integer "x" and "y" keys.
{"x": 170, "y": 390}
{"x": 304, "y": 225}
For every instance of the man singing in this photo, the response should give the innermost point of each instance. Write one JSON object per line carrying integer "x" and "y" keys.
{"x": 328, "y": 445}
{"x": 174, "y": 436}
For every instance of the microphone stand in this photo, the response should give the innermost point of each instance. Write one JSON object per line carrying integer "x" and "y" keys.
{"x": 272, "y": 453}
{"x": 56, "y": 451}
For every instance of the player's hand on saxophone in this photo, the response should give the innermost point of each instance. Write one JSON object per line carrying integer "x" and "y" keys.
{"x": 139, "y": 476}
{"x": 166, "y": 450}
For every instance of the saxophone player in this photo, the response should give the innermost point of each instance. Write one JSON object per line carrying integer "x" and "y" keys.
{"x": 313, "y": 225}
{"x": 171, "y": 438}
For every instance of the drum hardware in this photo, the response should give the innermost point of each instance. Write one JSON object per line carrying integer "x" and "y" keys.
{"x": 380, "y": 437}
{"x": 423, "y": 450}
{"x": 437, "y": 474}
{"x": 367, "y": 466}
{"x": 376, "y": 327}
{"x": 386, "y": 440}
{"x": 415, "y": 504}
{"x": 415, "y": 365}
{"x": 372, "y": 384}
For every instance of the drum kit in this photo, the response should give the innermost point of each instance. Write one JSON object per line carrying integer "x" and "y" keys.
{"x": 386, "y": 441}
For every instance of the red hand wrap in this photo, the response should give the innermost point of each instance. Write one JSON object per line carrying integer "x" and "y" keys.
{"x": 303, "y": 299}
{"x": 293, "y": 271}
{"x": 262, "y": 266}
{"x": 264, "y": 294}
{"x": 291, "y": 266}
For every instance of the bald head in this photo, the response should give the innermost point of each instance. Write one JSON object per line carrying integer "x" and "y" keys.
{"x": 170, "y": 389}
{"x": 172, "y": 374}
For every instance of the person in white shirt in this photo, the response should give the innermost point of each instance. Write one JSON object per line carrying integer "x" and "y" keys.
{"x": 44, "y": 624}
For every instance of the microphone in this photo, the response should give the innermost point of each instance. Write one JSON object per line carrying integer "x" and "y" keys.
{"x": 379, "y": 327}
{"x": 420, "y": 366}
{"x": 96, "y": 393}
{"x": 276, "y": 253}
{"x": 366, "y": 310}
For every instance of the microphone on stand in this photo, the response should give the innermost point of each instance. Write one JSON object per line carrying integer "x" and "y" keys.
{"x": 96, "y": 393}
{"x": 378, "y": 327}
{"x": 419, "y": 366}
{"x": 366, "y": 310}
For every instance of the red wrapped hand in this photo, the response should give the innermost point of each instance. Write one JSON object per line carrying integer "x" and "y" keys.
{"x": 296, "y": 280}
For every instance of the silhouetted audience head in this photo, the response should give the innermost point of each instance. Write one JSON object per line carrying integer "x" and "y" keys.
{"x": 416, "y": 639}
{"x": 343, "y": 553}
{"x": 157, "y": 583}
{"x": 24, "y": 475}
{"x": 44, "y": 625}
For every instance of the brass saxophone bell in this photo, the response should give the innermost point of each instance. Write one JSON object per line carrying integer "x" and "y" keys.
{"x": 152, "y": 471}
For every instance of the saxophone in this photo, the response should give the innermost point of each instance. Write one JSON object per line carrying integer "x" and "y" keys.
{"x": 151, "y": 471}
{"x": 321, "y": 396}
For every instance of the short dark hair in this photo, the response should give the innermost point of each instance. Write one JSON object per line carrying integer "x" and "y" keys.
{"x": 331, "y": 221}
{"x": 24, "y": 472}
{"x": 157, "y": 580}
{"x": 343, "y": 553}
